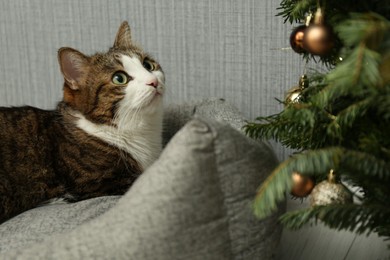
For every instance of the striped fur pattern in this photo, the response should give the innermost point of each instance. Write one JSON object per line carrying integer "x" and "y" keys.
{"x": 103, "y": 134}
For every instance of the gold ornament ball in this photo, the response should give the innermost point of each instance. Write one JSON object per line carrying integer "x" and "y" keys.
{"x": 293, "y": 95}
{"x": 318, "y": 39}
{"x": 330, "y": 192}
{"x": 302, "y": 185}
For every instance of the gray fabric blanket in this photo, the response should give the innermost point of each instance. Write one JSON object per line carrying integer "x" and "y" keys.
{"x": 194, "y": 202}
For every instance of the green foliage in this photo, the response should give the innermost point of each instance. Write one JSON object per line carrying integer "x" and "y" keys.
{"x": 274, "y": 187}
{"x": 336, "y": 12}
{"x": 352, "y": 217}
{"x": 341, "y": 122}
{"x": 316, "y": 163}
{"x": 295, "y": 11}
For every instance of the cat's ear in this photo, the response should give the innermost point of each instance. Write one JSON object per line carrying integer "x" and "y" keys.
{"x": 73, "y": 65}
{"x": 123, "y": 37}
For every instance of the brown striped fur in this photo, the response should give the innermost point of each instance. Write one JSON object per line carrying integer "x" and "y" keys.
{"x": 45, "y": 155}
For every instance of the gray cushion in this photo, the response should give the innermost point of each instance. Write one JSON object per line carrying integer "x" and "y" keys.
{"x": 177, "y": 115}
{"x": 192, "y": 203}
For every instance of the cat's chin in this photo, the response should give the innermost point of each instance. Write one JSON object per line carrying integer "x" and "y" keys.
{"x": 154, "y": 100}
{"x": 157, "y": 98}
{"x": 154, "y": 104}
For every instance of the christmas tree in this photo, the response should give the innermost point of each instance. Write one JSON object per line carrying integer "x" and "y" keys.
{"x": 337, "y": 121}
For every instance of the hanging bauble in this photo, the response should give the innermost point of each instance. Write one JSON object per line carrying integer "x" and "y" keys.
{"x": 318, "y": 38}
{"x": 296, "y": 39}
{"x": 294, "y": 95}
{"x": 330, "y": 192}
{"x": 302, "y": 185}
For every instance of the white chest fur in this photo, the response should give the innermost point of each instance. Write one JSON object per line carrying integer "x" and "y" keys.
{"x": 142, "y": 141}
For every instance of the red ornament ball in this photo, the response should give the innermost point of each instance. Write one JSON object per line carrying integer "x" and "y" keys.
{"x": 318, "y": 39}
{"x": 296, "y": 39}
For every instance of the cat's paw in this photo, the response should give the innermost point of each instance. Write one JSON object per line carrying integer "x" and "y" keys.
{"x": 67, "y": 198}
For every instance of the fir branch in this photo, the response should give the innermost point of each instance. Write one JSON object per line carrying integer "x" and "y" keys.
{"x": 341, "y": 82}
{"x": 295, "y": 11}
{"x": 316, "y": 162}
{"x": 367, "y": 74}
{"x": 294, "y": 127}
{"x": 352, "y": 217}
{"x": 362, "y": 35}
{"x": 273, "y": 190}
{"x": 365, "y": 164}
{"x": 383, "y": 105}
{"x": 293, "y": 134}
{"x": 347, "y": 117}
{"x": 367, "y": 28}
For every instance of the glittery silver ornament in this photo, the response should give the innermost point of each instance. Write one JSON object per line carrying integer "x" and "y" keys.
{"x": 330, "y": 192}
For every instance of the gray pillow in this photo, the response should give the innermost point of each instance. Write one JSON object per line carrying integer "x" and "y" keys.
{"x": 192, "y": 203}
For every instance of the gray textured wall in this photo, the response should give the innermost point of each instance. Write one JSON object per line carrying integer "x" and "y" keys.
{"x": 225, "y": 49}
{"x": 208, "y": 48}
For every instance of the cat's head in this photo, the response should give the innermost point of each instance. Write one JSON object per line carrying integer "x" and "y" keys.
{"x": 112, "y": 87}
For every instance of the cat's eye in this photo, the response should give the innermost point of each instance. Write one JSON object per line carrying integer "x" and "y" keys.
{"x": 149, "y": 65}
{"x": 120, "y": 78}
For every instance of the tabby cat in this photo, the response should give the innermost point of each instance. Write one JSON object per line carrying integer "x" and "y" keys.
{"x": 102, "y": 135}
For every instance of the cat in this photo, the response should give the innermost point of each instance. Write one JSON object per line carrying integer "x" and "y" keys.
{"x": 103, "y": 134}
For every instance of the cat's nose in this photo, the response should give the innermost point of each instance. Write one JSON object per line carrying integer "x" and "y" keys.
{"x": 153, "y": 83}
